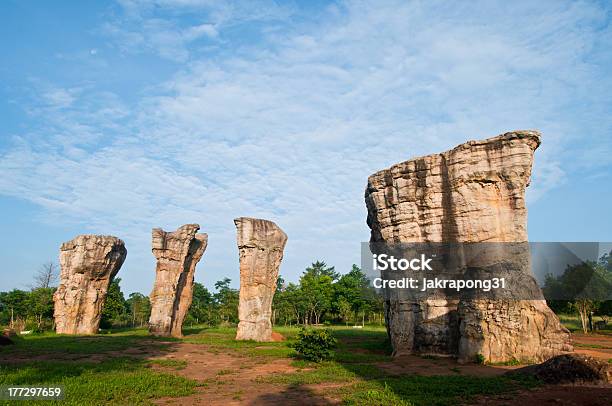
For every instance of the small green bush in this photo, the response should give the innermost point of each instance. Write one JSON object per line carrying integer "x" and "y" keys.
{"x": 480, "y": 359}
{"x": 315, "y": 345}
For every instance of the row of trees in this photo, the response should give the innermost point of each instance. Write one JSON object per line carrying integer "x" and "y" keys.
{"x": 321, "y": 295}
{"x": 31, "y": 309}
{"x": 206, "y": 308}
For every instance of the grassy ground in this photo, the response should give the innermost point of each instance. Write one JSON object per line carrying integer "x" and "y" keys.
{"x": 110, "y": 377}
{"x": 121, "y": 368}
{"x": 363, "y": 382}
{"x": 572, "y": 323}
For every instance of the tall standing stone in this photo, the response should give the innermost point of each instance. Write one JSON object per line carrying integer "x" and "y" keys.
{"x": 261, "y": 244}
{"x": 177, "y": 255}
{"x": 473, "y": 193}
{"x": 88, "y": 265}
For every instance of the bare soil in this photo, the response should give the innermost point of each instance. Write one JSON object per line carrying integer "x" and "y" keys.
{"x": 566, "y": 395}
{"x": 603, "y": 341}
{"x": 228, "y": 378}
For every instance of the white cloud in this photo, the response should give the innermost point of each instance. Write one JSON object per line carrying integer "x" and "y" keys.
{"x": 198, "y": 31}
{"x": 289, "y": 128}
{"x": 58, "y": 98}
{"x": 158, "y": 25}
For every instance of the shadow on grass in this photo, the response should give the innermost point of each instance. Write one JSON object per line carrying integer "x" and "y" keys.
{"x": 360, "y": 379}
{"x": 93, "y": 369}
{"x": 49, "y": 345}
{"x": 294, "y": 394}
{"x": 193, "y": 330}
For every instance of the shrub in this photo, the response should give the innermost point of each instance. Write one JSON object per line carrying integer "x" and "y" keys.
{"x": 480, "y": 359}
{"x": 315, "y": 345}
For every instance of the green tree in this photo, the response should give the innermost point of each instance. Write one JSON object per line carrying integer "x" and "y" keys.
{"x": 585, "y": 286}
{"x": 203, "y": 308}
{"x": 226, "y": 300}
{"x": 288, "y": 304}
{"x": 606, "y": 261}
{"x": 605, "y": 308}
{"x": 40, "y": 305}
{"x": 14, "y": 306}
{"x": 354, "y": 288}
{"x": 115, "y": 307}
{"x": 320, "y": 268}
{"x": 316, "y": 285}
{"x": 297, "y": 302}
{"x": 139, "y": 307}
{"x": 344, "y": 309}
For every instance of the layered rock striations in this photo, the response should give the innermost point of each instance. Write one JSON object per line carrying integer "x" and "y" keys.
{"x": 261, "y": 244}
{"x": 177, "y": 255}
{"x": 88, "y": 264}
{"x": 472, "y": 194}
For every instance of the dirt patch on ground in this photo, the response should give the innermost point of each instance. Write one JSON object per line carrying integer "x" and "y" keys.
{"x": 230, "y": 379}
{"x": 594, "y": 345}
{"x": 603, "y": 354}
{"x": 553, "y": 395}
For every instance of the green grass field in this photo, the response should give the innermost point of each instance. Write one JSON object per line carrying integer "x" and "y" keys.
{"x": 573, "y": 324}
{"x": 108, "y": 369}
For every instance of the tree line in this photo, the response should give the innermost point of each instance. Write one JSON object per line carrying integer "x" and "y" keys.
{"x": 321, "y": 295}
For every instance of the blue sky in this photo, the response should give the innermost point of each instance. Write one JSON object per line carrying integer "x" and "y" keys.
{"x": 117, "y": 117}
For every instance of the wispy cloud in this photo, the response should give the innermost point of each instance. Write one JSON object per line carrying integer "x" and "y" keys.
{"x": 167, "y": 27}
{"x": 289, "y": 127}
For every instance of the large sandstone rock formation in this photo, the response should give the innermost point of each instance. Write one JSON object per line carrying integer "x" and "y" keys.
{"x": 261, "y": 244}
{"x": 177, "y": 255}
{"x": 88, "y": 264}
{"x": 474, "y": 193}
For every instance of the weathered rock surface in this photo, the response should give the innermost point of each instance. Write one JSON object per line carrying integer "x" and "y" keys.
{"x": 261, "y": 244}
{"x": 177, "y": 255}
{"x": 88, "y": 265}
{"x": 473, "y": 193}
{"x": 569, "y": 368}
